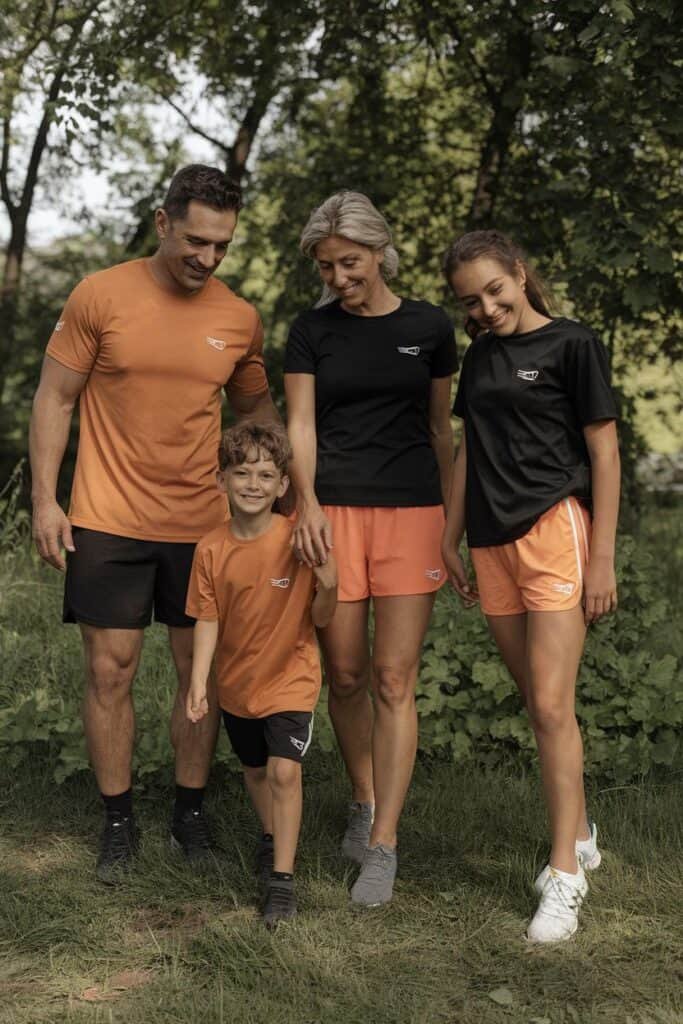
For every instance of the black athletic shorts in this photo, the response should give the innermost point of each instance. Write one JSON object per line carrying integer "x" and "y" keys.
{"x": 254, "y": 740}
{"x": 117, "y": 582}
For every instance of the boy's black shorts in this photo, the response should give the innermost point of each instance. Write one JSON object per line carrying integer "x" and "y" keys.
{"x": 117, "y": 582}
{"x": 254, "y": 740}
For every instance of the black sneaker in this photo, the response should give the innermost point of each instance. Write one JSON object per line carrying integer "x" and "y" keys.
{"x": 280, "y": 902}
{"x": 118, "y": 845}
{"x": 263, "y": 858}
{"x": 190, "y": 834}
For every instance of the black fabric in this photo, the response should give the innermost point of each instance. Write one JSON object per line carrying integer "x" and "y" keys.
{"x": 254, "y": 740}
{"x": 120, "y": 804}
{"x": 525, "y": 400}
{"x": 373, "y": 378}
{"x": 187, "y": 798}
{"x": 117, "y": 582}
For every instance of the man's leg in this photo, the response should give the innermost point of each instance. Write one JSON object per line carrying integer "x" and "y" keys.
{"x": 111, "y": 661}
{"x": 194, "y": 746}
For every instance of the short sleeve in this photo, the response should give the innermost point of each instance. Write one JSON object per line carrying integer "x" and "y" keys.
{"x": 249, "y": 376}
{"x": 201, "y": 595}
{"x": 588, "y": 380}
{"x": 445, "y": 357}
{"x": 460, "y": 403}
{"x": 75, "y": 340}
{"x": 299, "y": 354}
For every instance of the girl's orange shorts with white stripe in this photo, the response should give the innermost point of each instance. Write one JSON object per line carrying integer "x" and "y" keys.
{"x": 543, "y": 570}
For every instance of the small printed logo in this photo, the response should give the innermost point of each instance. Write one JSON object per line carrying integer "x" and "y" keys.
{"x": 413, "y": 350}
{"x": 433, "y": 574}
{"x": 59, "y": 325}
{"x": 563, "y": 588}
{"x": 282, "y": 584}
{"x": 527, "y": 374}
{"x": 215, "y": 343}
{"x": 299, "y": 744}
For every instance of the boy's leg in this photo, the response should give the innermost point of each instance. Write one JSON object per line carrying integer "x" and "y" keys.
{"x": 260, "y": 794}
{"x": 247, "y": 739}
{"x": 284, "y": 779}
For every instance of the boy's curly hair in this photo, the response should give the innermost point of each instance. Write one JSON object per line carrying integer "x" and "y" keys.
{"x": 267, "y": 439}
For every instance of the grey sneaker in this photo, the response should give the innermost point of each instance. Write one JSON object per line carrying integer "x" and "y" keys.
{"x": 375, "y": 883}
{"x": 357, "y": 836}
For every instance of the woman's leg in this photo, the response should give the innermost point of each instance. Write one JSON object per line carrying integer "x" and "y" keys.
{"x": 400, "y": 627}
{"x": 554, "y": 647}
{"x": 510, "y": 635}
{"x": 346, "y": 652}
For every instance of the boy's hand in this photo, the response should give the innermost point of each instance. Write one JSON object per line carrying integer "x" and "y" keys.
{"x": 326, "y": 574}
{"x": 197, "y": 705}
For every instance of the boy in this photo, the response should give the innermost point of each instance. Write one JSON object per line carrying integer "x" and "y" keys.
{"x": 256, "y": 608}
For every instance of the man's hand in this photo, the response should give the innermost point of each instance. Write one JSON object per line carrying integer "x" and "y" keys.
{"x": 196, "y": 705}
{"x": 600, "y": 589}
{"x": 52, "y": 533}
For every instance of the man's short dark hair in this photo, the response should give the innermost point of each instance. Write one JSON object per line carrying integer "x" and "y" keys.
{"x": 208, "y": 185}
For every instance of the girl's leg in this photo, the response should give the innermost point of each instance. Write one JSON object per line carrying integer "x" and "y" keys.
{"x": 554, "y": 646}
{"x": 400, "y": 627}
{"x": 510, "y": 634}
{"x": 258, "y": 788}
{"x": 284, "y": 780}
{"x": 345, "y": 649}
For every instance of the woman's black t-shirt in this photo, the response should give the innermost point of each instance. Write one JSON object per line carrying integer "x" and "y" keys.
{"x": 373, "y": 379}
{"x": 525, "y": 400}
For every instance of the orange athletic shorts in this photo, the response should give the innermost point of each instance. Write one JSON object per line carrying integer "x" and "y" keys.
{"x": 387, "y": 552}
{"x": 543, "y": 570}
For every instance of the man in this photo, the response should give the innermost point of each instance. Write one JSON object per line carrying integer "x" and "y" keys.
{"x": 146, "y": 347}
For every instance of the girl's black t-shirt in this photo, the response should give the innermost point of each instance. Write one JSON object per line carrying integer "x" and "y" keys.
{"x": 525, "y": 400}
{"x": 373, "y": 379}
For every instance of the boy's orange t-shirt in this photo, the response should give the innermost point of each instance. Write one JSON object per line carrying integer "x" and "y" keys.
{"x": 150, "y": 411}
{"x": 267, "y": 658}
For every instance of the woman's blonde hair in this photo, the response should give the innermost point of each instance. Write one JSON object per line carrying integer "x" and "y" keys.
{"x": 353, "y": 216}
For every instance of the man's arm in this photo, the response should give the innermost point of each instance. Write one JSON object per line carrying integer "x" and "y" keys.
{"x": 53, "y": 407}
{"x": 258, "y": 408}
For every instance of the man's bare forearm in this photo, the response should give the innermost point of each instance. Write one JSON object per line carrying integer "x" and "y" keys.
{"x": 48, "y": 437}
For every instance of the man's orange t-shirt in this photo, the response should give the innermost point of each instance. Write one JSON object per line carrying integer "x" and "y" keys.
{"x": 150, "y": 415}
{"x": 266, "y": 657}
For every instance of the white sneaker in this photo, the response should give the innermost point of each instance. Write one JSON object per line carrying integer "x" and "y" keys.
{"x": 587, "y": 854}
{"x": 557, "y": 917}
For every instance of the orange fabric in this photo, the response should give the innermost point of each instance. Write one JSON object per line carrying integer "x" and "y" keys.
{"x": 150, "y": 410}
{"x": 387, "y": 552}
{"x": 542, "y": 571}
{"x": 266, "y": 658}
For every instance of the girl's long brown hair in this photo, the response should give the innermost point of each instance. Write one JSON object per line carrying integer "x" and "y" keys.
{"x": 496, "y": 246}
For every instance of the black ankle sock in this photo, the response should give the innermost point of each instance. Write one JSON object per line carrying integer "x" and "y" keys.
{"x": 121, "y": 804}
{"x": 282, "y": 876}
{"x": 187, "y": 799}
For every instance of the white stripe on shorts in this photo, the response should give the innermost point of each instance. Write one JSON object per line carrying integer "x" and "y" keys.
{"x": 310, "y": 736}
{"x": 577, "y": 551}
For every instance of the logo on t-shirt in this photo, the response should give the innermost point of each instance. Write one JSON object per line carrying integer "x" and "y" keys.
{"x": 563, "y": 588}
{"x": 413, "y": 350}
{"x": 433, "y": 574}
{"x": 59, "y": 325}
{"x": 527, "y": 374}
{"x": 215, "y": 343}
{"x": 282, "y": 584}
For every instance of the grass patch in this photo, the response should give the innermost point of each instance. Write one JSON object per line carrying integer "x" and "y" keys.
{"x": 170, "y": 946}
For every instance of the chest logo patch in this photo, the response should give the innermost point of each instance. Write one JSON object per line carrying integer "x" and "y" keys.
{"x": 433, "y": 574}
{"x": 215, "y": 343}
{"x": 527, "y": 374}
{"x": 282, "y": 584}
{"x": 413, "y": 350}
{"x": 59, "y": 325}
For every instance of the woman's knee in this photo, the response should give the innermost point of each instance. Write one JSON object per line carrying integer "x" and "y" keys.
{"x": 394, "y": 685}
{"x": 347, "y": 682}
{"x": 550, "y": 714}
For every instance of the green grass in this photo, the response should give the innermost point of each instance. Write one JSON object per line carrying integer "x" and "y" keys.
{"x": 448, "y": 946}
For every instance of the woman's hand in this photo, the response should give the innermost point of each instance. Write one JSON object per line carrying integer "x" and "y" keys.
{"x": 599, "y": 589}
{"x": 312, "y": 537}
{"x": 457, "y": 574}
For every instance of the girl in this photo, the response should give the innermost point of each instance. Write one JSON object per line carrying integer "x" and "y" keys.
{"x": 539, "y": 452}
{"x": 367, "y": 378}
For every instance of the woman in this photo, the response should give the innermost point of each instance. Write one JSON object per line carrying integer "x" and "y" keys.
{"x": 367, "y": 378}
{"x": 539, "y": 450}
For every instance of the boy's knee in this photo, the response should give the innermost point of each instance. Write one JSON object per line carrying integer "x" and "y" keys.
{"x": 254, "y": 774}
{"x": 283, "y": 773}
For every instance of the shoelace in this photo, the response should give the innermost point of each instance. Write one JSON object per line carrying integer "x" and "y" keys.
{"x": 559, "y": 897}
{"x": 118, "y": 840}
{"x": 200, "y": 830}
{"x": 279, "y": 899}
{"x": 359, "y": 820}
{"x": 375, "y": 864}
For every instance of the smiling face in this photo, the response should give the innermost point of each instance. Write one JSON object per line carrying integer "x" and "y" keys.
{"x": 253, "y": 485}
{"x": 493, "y": 296}
{"x": 350, "y": 270}
{"x": 192, "y": 247}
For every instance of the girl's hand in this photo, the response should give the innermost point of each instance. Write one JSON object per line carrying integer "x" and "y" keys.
{"x": 466, "y": 590}
{"x": 599, "y": 589}
{"x": 197, "y": 705}
{"x": 312, "y": 537}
